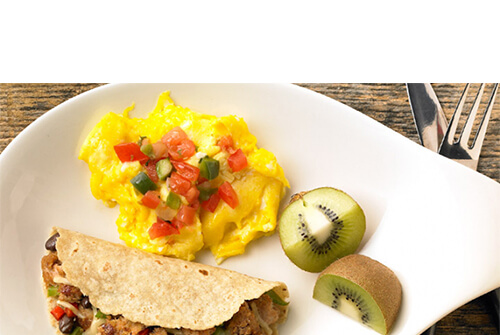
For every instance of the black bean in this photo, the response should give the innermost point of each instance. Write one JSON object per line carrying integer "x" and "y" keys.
{"x": 51, "y": 242}
{"x": 86, "y": 302}
{"x": 66, "y": 324}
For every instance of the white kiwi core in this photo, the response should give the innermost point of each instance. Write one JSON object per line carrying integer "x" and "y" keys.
{"x": 317, "y": 223}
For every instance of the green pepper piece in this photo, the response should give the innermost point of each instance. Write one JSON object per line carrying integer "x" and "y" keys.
{"x": 147, "y": 149}
{"x": 143, "y": 183}
{"x": 100, "y": 315}
{"x": 77, "y": 331}
{"x": 173, "y": 200}
{"x": 209, "y": 168}
{"x": 52, "y": 291}
{"x": 163, "y": 168}
{"x": 219, "y": 331}
{"x": 205, "y": 193}
{"x": 276, "y": 298}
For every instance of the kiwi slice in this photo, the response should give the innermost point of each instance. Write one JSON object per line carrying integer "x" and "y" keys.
{"x": 363, "y": 289}
{"x": 320, "y": 226}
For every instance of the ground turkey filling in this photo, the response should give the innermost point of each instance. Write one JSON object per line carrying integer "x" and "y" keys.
{"x": 255, "y": 317}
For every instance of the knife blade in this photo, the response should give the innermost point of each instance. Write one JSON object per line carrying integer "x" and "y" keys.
{"x": 428, "y": 115}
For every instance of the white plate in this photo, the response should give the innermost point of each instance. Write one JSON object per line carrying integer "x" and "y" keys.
{"x": 433, "y": 221}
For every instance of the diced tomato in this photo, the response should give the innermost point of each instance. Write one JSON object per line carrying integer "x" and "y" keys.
{"x": 57, "y": 312}
{"x": 150, "y": 167}
{"x": 151, "y": 199}
{"x": 69, "y": 312}
{"x": 179, "y": 184}
{"x": 179, "y": 146}
{"x": 182, "y": 150}
{"x": 227, "y": 193}
{"x": 226, "y": 143}
{"x": 177, "y": 223}
{"x": 174, "y": 136}
{"x": 162, "y": 228}
{"x": 237, "y": 161}
{"x": 129, "y": 152}
{"x": 192, "y": 194}
{"x": 188, "y": 171}
{"x": 195, "y": 204}
{"x": 145, "y": 331}
{"x": 159, "y": 150}
{"x": 186, "y": 214}
{"x": 212, "y": 203}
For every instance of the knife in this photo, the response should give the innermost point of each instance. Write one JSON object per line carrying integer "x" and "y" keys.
{"x": 428, "y": 115}
{"x": 431, "y": 125}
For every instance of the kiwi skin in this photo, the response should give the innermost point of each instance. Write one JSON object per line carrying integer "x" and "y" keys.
{"x": 375, "y": 278}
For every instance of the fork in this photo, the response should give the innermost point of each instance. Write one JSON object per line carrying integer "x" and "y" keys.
{"x": 459, "y": 150}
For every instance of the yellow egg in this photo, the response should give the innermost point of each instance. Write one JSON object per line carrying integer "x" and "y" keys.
{"x": 226, "y": 232}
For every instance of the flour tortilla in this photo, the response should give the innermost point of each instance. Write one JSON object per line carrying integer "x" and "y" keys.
{"x": 152, "y": 289}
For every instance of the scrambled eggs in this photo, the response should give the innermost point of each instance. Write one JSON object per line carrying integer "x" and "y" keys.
{"x": 221, "y": 222}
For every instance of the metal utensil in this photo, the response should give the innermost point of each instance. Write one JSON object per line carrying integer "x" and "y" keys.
{"x": 428, "y": 115}
{"x": 430, "y": 121}
{"x": 459, "y": 150}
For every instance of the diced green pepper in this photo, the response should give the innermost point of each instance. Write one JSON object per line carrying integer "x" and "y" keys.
{"x": 163, "y": 168}
{"x": 276, "y": 298}
{"x": 100, "y": 315}
{"x": 77, "y": 331}
{"x": 220, "y": 331}
{"x": 147, "y": 149}
{"x": 143, "y": 183}
{"x": 209, "y": 168}
{"x": 205, "y": 193}
{"x": 173, "y": 200}
{"x": 52, "y": 291}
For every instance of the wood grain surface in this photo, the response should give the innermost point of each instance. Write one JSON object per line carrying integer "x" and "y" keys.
{"x": 21, "y": 104}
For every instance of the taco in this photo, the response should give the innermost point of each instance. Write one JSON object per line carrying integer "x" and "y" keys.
{"x": 95, "y": 287}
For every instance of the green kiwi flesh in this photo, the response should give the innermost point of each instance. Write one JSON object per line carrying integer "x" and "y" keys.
{"x": 320, "y": 226}
{"x": 363, "y": 289}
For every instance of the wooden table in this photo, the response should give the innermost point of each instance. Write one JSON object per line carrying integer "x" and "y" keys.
{"x": 21, "y": 104}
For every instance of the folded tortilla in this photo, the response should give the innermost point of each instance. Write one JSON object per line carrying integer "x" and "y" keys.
{"x": 155, "y": 290}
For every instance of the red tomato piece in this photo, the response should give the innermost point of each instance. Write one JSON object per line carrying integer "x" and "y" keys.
{"x": 192, "y": 194}
{"x": 57, "y": 312}
{"x": 179, "y": 184}
{"x": 179, "y": 146}
{"x": 212, "y": 203}
{"x": 188, "y": 171}
{"x": 162, "y": 228}
{"x": 195, "y": 204}
{"x": 151, "y": 199}
{"x": 150, "y": 167}
{"x": 186, "y": 214}
{"x": 69, "y": 312}
{"x": 182, "y": 151}
{"x": 237, "y": 161}
{"x": 144, "y": 332}
{"x": 174, "y": 136}
{"x": 129, "y": 152}
{"x": 226, "y": 143}
{"x": 227, "y": 193}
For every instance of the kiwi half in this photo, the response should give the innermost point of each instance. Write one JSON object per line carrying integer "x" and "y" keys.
{"x": 320, "y": 226}
{"x": 363, "y": 289}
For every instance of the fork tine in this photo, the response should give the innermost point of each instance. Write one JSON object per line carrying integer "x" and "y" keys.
{"x": 464, "y": 136}
{"x": 452, "y": 127}
{"x": 481, "y": 131}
